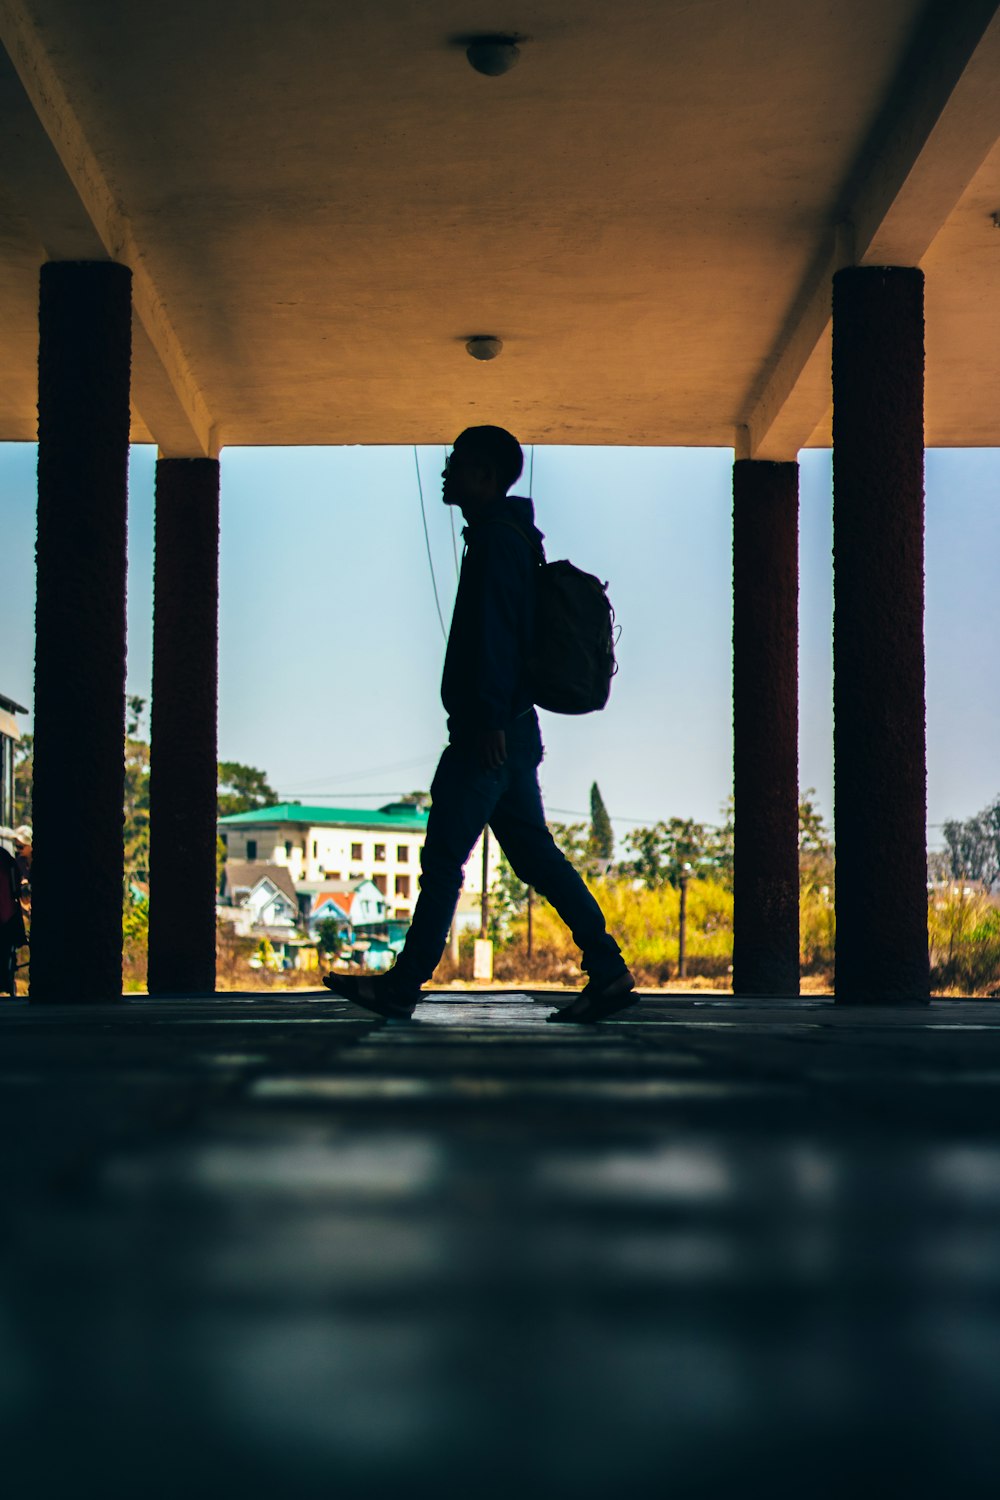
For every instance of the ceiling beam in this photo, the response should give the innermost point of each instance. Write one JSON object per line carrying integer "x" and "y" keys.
{"x": 940, "y": 120}
{"x": 179, "y": 417}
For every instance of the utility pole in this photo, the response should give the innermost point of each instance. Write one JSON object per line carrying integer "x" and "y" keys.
{"x": 482, "y": 955}
{"x": 531, "y": 910}
{"x": 685, "y": 876}
{"x": 485, "y": 906}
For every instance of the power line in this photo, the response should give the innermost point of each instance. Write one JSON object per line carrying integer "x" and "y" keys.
{"x": 384, "y": 770}
{"x": 574, "y": 812}
{"x": 427, "y": 540}
{"x": 451, "y": 517}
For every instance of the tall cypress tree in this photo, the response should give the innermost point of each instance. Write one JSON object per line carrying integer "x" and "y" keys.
{"x": 601, "y": 842}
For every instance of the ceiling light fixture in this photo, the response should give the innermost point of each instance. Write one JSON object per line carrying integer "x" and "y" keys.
{"x": 483, "y": 346}
{"x": 493, "y": 55}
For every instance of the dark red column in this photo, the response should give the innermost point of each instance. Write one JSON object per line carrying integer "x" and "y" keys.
{"x": 765, "y": 727}
{"x": 183, "y": 754}
{"x": 79, "y": 772}
{"x": 878, "y": 639}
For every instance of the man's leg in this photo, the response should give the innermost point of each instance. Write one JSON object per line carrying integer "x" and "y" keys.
{"x": 518, "y": 821}
{"x": 463, "y": 797}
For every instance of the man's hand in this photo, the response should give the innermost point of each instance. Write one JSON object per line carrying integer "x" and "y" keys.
{"x": 492, "y": 747}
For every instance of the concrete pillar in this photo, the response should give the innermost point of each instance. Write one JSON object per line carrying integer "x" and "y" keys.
{"x": 79, "y": 765}
{"x": 765, "y": 727}
{"x": 183, "y": 753}
{"x": 878, "y": 644}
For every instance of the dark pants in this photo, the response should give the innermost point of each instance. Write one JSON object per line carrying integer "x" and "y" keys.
{"x": 464, "y": 799}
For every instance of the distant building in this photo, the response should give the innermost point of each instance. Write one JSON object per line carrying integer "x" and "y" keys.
{"x": 360, "y": 906}
{"x": 9, "y": 736}
{"x": 324, "y": 845}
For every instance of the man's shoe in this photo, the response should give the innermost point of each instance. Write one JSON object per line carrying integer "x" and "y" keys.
{"x": 374, "y": 992}
{"x": 598, "y": 999}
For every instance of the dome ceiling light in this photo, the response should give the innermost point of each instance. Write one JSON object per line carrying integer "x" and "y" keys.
{"x": 483, "y": 346}
{"x": 493, "y": 55}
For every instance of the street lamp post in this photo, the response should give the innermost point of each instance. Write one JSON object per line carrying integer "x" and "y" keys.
{"x": 685, "y": 876}
{"x": 531, "y": 924}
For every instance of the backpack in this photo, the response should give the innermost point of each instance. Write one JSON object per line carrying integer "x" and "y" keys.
{"x": 572, "y": 657}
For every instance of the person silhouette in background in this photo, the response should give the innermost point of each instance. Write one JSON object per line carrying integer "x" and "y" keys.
{"x": 488, "y": 773}
{"x": 23, "y": 837}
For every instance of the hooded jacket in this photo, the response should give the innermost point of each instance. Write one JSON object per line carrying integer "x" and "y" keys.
{"x": 484, "y": 680}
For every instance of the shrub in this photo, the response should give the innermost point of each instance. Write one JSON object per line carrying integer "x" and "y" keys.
{"x": 645, "y": 923}
{"x": 817, "y": 929}
{"x": 964, "y": 930}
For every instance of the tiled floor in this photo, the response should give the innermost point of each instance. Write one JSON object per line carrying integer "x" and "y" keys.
{"x": 273, "y": 1247}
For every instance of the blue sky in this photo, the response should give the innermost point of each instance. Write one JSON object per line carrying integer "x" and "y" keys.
{"x": 331, "y": 648}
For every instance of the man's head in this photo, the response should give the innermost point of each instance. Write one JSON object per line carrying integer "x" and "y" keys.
{"x": 484, "y": 463}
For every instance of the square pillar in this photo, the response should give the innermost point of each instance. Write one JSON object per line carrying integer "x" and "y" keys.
{"x": 878, "y": 636}
{"x": 765, "y": 727}
{"x": 79, "y": 763}
{"x": 183, "y": 750}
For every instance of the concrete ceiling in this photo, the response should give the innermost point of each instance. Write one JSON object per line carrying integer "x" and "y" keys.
{"x": 321, "y": 201}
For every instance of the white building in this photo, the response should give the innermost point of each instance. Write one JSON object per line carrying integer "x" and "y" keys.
{"x": 333, "y": 843}
{"x": 9, "y": 736}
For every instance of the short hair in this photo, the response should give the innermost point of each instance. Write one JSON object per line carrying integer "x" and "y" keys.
{"x": 499, "y": 448}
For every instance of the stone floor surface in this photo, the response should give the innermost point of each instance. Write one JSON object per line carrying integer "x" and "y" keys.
{"x": 272, "y": 1246}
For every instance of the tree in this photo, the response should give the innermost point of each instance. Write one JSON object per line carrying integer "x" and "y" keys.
{"x": 135, "y": 831}
{"x": 243, "y": 788}
{"x": 663, "y": 850}
{"x": 816, "y": 866}
{"x": 571, "y": 838}
{"x": 973, "y": 846}
{"x": 721, "y": 846}
{"x": 135, "y": 711}
{"x": 814, "y": 836}
{"x": 601, "y": 839}
{"x": 24, "y": 766}
{"x": 329, "y": 935}
{"x": 508, "y": 898}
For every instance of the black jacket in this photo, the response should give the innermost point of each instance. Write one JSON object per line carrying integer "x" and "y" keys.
{"x": 483, "y": 686}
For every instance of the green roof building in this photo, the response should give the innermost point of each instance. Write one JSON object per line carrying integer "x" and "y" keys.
{"x": 319, "y": 844}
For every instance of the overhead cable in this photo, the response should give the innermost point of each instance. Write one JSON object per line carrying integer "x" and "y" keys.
{"x": 427, "y": 540}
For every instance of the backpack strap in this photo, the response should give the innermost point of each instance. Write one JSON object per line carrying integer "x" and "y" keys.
{"x": 536, "y": 547}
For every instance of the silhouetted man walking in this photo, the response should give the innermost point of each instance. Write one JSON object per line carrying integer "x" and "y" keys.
{"x": 488, "y": 773}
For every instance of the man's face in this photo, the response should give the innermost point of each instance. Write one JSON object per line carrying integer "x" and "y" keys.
{"x": 467, "y": 480}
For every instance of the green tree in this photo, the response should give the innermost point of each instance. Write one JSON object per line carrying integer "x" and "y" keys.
{"x": 135, "y": 830}
{"x": 508, "y": 899}
{"x": 814, "y": 836}
{"x": 572, "y": 839}
{"x": 663, "y": 850}
{"x": 243, "y": 788}
{"x": 329, "y": 935}
{"x": 721, "y": 847}
{"x": 816, "y": 864}
{"x": 973, "y": 846}
{"x": 601, "y": 839}
{"x": 135, "y": 712}
{"x": 24, "y": 766}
